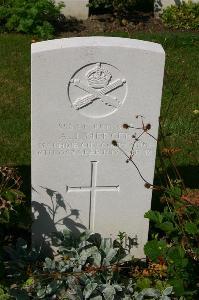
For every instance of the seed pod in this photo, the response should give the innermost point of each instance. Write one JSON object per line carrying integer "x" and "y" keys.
{"x": 147, "y": 185}
{"x": 125, "y": 126}
{"x": 114, "y": 143}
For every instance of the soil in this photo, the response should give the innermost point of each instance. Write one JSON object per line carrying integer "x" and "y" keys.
{"x": 100, "y": 24}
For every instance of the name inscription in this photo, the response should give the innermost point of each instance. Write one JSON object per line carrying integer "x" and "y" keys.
{"x": 96, "y": 139}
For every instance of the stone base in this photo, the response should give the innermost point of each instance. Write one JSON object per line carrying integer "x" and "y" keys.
{"x": 75, "y": 8}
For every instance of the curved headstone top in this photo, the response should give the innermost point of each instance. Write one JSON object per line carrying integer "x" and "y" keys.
{"x": 95, "y": 41}
{"x": 83, "y": 90}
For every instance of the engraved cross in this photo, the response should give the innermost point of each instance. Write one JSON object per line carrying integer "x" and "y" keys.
{"x": 92, "y": 189}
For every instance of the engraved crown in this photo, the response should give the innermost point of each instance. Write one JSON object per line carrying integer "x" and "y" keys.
{"x": 99, "y": 77}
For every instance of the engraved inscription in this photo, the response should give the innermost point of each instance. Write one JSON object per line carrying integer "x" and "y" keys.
{"x": 92, "y": 189}
{"x": 96, "y": 91}
{"x": 81, "y": 139}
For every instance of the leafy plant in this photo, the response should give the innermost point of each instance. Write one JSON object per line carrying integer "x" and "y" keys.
{"x": 183, "y": 16}
{"x": 120, "y": 8}
{"x": 4, "y": 295}
{"x": 86, "y": 267}
{"x": 11, "y": 198}
{"x": 177, "y": 239}
{"x": 89, "y": 268}
{"x": 151, "y": 293}
{"x": 173, "y": 250}
{"x": 38, "y": 17}
{"x": 14, "y": 212}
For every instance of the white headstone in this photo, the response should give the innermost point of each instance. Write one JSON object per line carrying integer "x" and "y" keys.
{"x": 83, "y": 90}
{"x": 75, "y": 8}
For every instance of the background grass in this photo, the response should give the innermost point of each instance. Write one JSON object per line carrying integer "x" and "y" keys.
{"x": 14, "y": 99}
{"x": 180, "y": 97}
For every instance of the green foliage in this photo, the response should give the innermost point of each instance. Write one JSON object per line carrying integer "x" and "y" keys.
{"x": 4, "y": 294}
{"x": 11, "y": 198}
{"x": 143, "y": 283}
{"x": 155, "y": 249}
{"x": 14, "y": 212}
{"x": 178, "y": 224}
{"x": 87, "y": 267}
{"x": 120, "y": 8}
{"x": 184, "y": 16}
{"x": 151, "y": 293}
{"x": 37, "y": 17}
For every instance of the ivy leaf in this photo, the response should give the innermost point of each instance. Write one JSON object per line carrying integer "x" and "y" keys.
{"x": 110, "y": 255}
{"x": 176, "y": 256}
{"x": 90, "y": 252}
{"x": 84, "y": 236}
{"x": 175, "y": 192}
{"x": 53, "y": 286}
{"x": 9, "y": 195}
{"x": 117, "y": 287}
{"x": 49, "y": 264}
{"x": 164, "y": 297}
{"x": 41, "y": 293}
{"x": 127, "y": 258}
{"x": 5, "y": 216}
{"x": 129, "y": 287}
{"x": 127, "y": 297}
{"x": 154, "y": 249}
{"x": 150, "y": 292}
{"x": 106, "y": 245}
{"x": 143, "y": 283}
{"x": 17, "y": 193}
{"x": 178, "y": 286}
{"x": 84, "y": 244}
{"x": 191, "y": 228}
{"x": 89, "y": 289}
{"x": 109, "y": 292}
{"x": 154, "y": 216}
{"x": 166, "y": 227}
{"x": 97, "y": 259}
{"x": 168, "y": 291}
{"x": 74, "y": 291}
{"x": 176, "y": 253}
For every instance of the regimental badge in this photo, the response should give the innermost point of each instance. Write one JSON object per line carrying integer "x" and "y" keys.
{"x": 99, "y": 87}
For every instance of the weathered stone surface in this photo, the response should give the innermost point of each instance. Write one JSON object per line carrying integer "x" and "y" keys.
{"x": 83, "y": 90}
{"x": 75, "y": 8}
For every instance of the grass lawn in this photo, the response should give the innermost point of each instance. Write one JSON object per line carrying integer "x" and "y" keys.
{"x": 15, "y": 99}
{"x": 180, "y": 96}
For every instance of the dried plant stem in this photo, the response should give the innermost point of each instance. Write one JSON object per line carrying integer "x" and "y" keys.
{"x": 140, "y": 174}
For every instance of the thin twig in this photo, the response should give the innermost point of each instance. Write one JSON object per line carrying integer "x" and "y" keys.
{"x": 130, "y": 159}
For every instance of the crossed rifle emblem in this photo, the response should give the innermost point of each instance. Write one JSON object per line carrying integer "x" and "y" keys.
{"x": 94, "y": 93}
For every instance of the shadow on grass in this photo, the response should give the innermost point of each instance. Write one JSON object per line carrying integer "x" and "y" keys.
{"x": 190, "y": 175}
